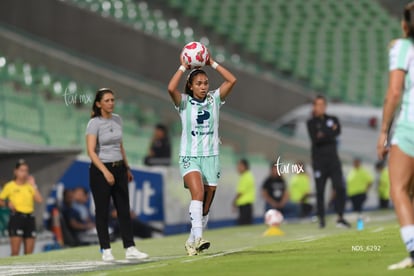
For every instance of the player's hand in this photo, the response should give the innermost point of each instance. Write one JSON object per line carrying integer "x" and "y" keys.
{"x": 382, "y": 147}
{"x": 210, "y": 60}
{"x": 182, "y": 62}
{"x": 130, "y": 176}
{"x": 109, "y": 178}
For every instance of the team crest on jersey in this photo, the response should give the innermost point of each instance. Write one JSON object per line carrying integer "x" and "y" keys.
{"x": 210, "y": 98}
{"x": 186, "y": 162}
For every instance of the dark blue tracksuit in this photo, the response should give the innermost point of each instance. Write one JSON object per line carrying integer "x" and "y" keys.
{"x": 325, "y": 161}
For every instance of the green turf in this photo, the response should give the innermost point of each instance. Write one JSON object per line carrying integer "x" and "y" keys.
{"x": 304, "y": 250}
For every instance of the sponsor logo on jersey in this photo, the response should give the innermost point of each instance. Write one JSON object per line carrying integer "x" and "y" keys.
{"x": 202, "y": 116}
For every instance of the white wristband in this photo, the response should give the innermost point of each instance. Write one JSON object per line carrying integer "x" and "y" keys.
{"x": 182, "y": 68}
{"x": 214, "y": 65}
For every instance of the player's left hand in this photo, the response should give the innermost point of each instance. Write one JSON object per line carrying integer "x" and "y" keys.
{"x": 210, "y": 60}
{"x": 382, "y": 147}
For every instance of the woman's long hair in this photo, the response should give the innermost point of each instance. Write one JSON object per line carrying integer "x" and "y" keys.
{"x": 408, "y": 17}
{"x": 96, "y": 111}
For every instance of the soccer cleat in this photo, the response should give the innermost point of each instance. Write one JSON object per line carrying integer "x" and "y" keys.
{"x": 107, "y": 255}
{"x": 201, "y": 245}
{"x": 132, "y": 253}
{"x": 343, "y": 224}
{"x": 190, "y": 248}
{"x": 406, "y": 263}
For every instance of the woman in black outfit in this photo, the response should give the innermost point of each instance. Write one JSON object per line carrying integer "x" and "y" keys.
{"x": 109, "y": 173}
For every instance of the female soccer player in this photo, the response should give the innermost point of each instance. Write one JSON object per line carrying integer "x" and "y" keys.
{"x": 401, "y": 160}
{"x": 19, "y": 196}
{"x": 109, "y": 173}
{"x": 199, "y": 110}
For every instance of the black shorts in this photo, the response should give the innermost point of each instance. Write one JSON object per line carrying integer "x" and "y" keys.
{"x": 22, "y": 225}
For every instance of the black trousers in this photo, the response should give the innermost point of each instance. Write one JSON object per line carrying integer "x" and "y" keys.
{"x": 245, "y": 214}
{"x": 305, "y": 209}
{"x": 329, "y": 167}
{"x": 102, "y": 193}
{"x": 384, "y": 203}
{"x": 358, "y": 201}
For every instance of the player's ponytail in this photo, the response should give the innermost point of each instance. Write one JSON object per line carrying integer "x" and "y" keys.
{"x": 190, "y": 79}
{"x": 409, "y": 19}
{"x": 96, "y": 111}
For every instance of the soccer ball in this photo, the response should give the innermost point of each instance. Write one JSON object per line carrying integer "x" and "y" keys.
{"x": 273, "y": 217}
{"x": 195, "y": 54}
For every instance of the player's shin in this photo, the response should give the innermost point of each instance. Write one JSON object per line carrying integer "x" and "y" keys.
{"x": 196, "y": 211}
{"x": 407, "y": 234}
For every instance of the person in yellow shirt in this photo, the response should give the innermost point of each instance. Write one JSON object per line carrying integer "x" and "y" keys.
{"x": 299, "y": 190}
{"x": 383, "y": 184}
{"x": 359, "y": 180}
{"x": 19, "y": 196}
{"x": 246, "y": 193}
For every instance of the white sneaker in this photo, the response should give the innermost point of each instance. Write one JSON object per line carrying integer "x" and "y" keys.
{"x": 190, "y": 248}
{"x": 406, "y": 263}
{"x": 201, "y": 245}
{"x": 107, "y": 255}
{"x": 132, "y": 253}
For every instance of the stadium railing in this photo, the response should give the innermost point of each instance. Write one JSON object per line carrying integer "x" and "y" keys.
{"x": 331, "y": 46}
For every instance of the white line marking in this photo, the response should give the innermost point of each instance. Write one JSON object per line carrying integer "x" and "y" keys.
{"x": 136, "y": 268}
{"x": 376, "y": 230}
{"x": 19, "y": 269}
{"x": 310, "y": 238}
{"x": 199, "y": 258}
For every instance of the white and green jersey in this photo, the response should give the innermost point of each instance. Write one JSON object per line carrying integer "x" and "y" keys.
{"x": 200, "y": 123}
{"x": 401, "y": 55}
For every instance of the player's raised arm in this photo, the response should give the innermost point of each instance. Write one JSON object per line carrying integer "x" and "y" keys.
{"x": 229, "y": 79}
{"x": 175, "y": 80}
